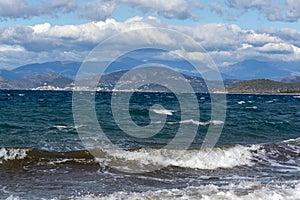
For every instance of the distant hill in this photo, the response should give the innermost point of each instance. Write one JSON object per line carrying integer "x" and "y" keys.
{"x": 263, "y": 86}
{"x": 245, "y": 70}
{"x": 293, "y": 79}
{"x": 106, "y": 83}
{"x": 55, "y": 80}
{"x": 254, "y": 69}
{"x": 66, "y": 68}
{"x": 69, "y": 68}
{"x": 62, "y": 74}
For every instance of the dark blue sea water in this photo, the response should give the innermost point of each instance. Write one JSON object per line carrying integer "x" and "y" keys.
{"x": 42, "y": 155}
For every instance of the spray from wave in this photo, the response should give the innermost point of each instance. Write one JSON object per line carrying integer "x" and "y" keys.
{"x": 284, "y": 155}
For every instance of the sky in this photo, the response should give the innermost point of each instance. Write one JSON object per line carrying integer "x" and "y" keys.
{"x": 230, "y": 31}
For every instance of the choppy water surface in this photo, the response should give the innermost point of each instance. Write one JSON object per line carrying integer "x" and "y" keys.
{"x": 42, "y": 156}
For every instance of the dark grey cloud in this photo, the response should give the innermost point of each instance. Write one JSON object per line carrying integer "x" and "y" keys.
{"x": 275, "y": 10}
{"x": 217, "y": 8}
{"x": 97, "y": 10}
{"x": 293, "y": 9}
{"x": 175, "y": 9}
{"x": 286, "y": 34}
{"x": 13, "y": 9}
{"x": 247, "y": 4}
{"x": 17, "y": 9}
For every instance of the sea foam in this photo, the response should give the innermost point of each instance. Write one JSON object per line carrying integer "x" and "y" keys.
{"x": 240, "y": 191}
{"x": 209, "y": 158}
{"x": 191, "y": 121}
{"x": 163, "y": 111}
{"x": 12, "y": 154}
{"x": 241, "y": 102}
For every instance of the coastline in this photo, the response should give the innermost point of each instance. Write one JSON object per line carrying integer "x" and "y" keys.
{"x": 215, "y": 92}
{"x": 250, "y": 93}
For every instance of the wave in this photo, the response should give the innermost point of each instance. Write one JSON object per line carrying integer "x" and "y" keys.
{"x": 63, "y": 127}
{"x": 241, "y": 191}
{"x": 12, "y": 154}
{"x": 213, "y": 122}
{"x": 209, "y": 158}
{"x": 163, "y": 111}
{"x": 199, "y": 123}
{"x": 241, "y": 102}
{"x": 140, "y": 159}
{"x": 205, "y": 159}
{"x": 27, "y": 156}
{"x": 282, "y": 156}
{"x": 252, "y": 107}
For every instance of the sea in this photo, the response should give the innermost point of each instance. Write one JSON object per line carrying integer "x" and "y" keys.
{"x": 42, "y": 155}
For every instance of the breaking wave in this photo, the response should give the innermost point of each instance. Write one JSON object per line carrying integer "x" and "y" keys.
{"x": 199, "y": 123}
{"x": 284, "y": 154}
{"x": 163, "y": 111}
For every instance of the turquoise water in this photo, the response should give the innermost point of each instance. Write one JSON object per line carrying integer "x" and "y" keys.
{"x": 42, "y": 155}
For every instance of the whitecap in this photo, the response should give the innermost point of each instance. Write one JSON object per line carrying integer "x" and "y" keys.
{"x": 156, "y": 122}
{"x": 79, "y": 126}
{"x": 241, "y": 102}
{"x": 163, "y": 111}
{"x": 61, "y": 127}
{"x": 250, "y": 191}
{"x": 252, "y": 107}
{"x": 292, "y": 140}
{"x": 209, "y": 158}
{"x": 12, "y": 154}
{"x": 12, "y": 197}
{"x": 216, "y": 122}
{"x": 213, "y": 122}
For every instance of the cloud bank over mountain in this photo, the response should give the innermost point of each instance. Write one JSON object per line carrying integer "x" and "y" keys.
{"x": 50, "y": 30}
{"x": 226, "y": 44}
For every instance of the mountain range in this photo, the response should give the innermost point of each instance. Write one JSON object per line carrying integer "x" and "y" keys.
{"x": 254, "y": 69}
{"x": 61, "y": 74}
{"x": 245, "y": 70}
{"x": 66, "y": 68}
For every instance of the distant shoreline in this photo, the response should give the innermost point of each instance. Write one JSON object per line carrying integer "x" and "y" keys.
{"x": 249, "y": 93}
{"x": 227, "y": 93}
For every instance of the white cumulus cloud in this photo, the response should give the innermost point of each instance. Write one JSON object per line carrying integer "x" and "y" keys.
{"x": 224, "y": 43}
